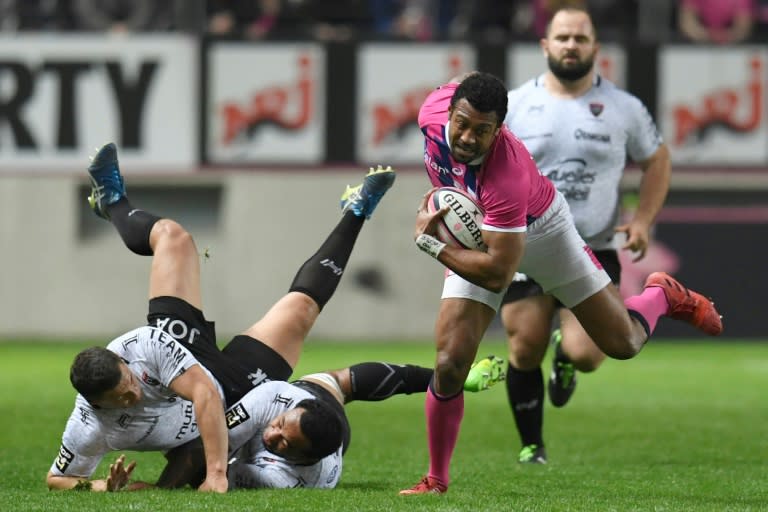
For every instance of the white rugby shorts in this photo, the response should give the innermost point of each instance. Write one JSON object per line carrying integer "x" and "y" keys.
{"x": 555, "y": 256}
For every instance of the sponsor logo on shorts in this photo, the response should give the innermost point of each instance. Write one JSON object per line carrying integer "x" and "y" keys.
{"x": 64, "y": 459}
{"x": 332, "y": 475}
{"x": 236, "y": 415}
{"x": 258, "y": 377}
{"x": 179, "y": 329}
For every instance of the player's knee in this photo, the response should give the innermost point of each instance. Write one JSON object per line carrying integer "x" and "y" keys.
{"x": 450, "y": 372}
{"x": 526, "y": 352}
{"x": 175, "y": 236}
{"x": 625, "y": 348}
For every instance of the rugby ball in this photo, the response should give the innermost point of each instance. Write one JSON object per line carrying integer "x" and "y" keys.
{"x": 460, "y": 226}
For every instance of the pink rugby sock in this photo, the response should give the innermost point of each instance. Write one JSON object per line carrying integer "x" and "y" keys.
{"x": 651, "y": 304}
{"x": 443, "y": 422}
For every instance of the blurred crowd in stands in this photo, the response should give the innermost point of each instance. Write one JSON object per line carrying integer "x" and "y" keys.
{"x": 488, "y": 21}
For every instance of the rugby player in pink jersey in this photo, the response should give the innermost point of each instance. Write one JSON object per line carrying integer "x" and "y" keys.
{"x": 527, "y": 228}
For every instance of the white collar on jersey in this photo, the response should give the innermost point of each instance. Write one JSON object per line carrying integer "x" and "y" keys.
{"x": 596, "y": 80}
{"x": 446, "y": 131}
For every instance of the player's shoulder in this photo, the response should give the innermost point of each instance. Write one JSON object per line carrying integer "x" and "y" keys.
{"x": 525, "y": 89}
{"x": 272, "y": 388}
{"x": 609, "y": 90}
{"x": 133, "y": 339}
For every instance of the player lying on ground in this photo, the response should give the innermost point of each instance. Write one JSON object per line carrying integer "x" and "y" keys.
{"x": 269, "y": 445}
{"x": 129, "y": 393}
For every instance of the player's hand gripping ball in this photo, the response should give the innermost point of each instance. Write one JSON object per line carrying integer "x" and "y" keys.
{"x": 460, "y": 226}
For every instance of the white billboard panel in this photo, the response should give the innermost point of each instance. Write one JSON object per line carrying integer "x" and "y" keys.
{"x": 62, "y": 97}
{"x": 712, "y": 104}
{"x": 393, "y": 82}
{"x": 266, "y": 104}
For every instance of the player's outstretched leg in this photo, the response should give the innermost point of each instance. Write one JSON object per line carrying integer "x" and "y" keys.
{"x": 687, "y": 305}
{"x": 485, "y": 373}
{"x": 363, "y": 199}
{"x": 109, "y": 201}
{"x": 562, "y": 380}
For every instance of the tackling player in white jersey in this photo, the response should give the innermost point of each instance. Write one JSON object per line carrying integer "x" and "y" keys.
{"x": 268, "y": 439}
{"x": 130, "y": 392}
{"x": 580, "y": 130}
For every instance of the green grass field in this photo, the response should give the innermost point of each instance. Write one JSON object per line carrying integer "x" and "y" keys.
{"x": 681, "y": 427}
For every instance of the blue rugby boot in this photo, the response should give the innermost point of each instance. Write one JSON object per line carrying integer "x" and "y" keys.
{"x": 363, "y": 199}
{"x": 107, "y": 185}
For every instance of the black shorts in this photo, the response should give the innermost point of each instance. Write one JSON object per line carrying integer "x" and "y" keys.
{"x": 609, "y": 259}
{"x": 325, "y": 396}
{"x": 242, "y": 365}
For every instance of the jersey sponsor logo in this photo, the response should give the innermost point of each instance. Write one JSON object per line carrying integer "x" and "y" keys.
{"x": 288, "y": 107}
{"x": 64, "y": 459}
{"x": 124, "y": 420}
{"x": 536, "y": 109}
{"x": 596, "y": 108}
{"x": 130, "y": 341}
{"x": 440, "y": 169}
{"x": 572, "y": 179}
{"x": 731, "y": 109}
{"x": 168, "y": 342}
{"x": 85, "y": 414}
{"x": 280, "y": 399}
{"x": 580, "y": 134}
{"x": 153, "y": 423}
{"x": 236, "y": 415}
{"x": 187, "y": 424}
{"x": 149, "y": 380}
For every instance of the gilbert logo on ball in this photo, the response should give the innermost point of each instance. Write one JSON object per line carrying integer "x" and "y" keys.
{"x": 460, "y": 226}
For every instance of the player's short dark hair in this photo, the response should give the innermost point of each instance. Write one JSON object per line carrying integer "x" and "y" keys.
{"x": 94, "y": 371}
{"x": 322, "y": 427}
{"x": 570, "y": 8}
{"x": 485, "y": 92}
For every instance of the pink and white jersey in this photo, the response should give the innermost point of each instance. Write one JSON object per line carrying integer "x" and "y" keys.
{"x": 505, "y": 181}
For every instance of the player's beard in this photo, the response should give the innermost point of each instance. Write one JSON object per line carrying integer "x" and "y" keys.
{"x": 571, "y": 73}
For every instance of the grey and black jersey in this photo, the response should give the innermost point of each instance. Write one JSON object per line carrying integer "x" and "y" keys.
{"x": 253, "y": 466}
{"x": 582, "y": 145}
